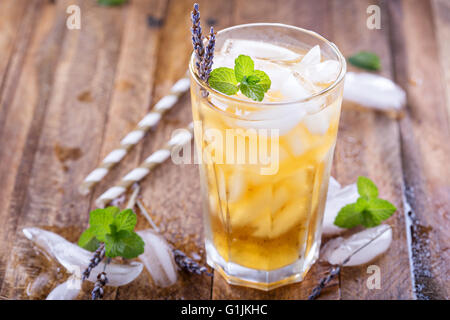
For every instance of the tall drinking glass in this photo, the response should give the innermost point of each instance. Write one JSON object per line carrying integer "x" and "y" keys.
{"x": 265, "y": 165}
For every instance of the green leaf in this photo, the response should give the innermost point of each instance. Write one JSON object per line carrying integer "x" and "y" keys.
{"x": 243, "y": 67}
{"x": 223, "y": 80}
{"x": 380, "y": 209}
{"x": 100, "y": 220}
{"x": 366, "y": 188}
{"x": 88, "y": 240}
{"x": 366, "y": 60}
{"x": 123, "y": 243}
{"x": 349, "y": 216}
{"x": 125, "y": 220}
{"x": 111, "y": 2}
{"x": 264, "y": 79}
{"x": 253, "y": 91}
{"x": 253, "y": 79}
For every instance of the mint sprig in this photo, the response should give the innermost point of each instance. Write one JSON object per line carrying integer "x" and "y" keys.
{"x": 115, "y": 229}
{"x": 368, "y": 210}
{"x": 252, "y": 83}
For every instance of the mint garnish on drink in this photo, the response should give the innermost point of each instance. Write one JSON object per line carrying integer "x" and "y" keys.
{"x": 115, "y": 229}
{"x": 252, "y": 83}
{"x": 368, "y": 210}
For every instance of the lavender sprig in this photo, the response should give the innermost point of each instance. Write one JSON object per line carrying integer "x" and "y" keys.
{"x": 323, "y": 282}
{"x": 98, "y": 291}
{"x": 98, "y": 256}
{"x": 197, "y": 38}
{"x": 209, "y": 54}
{"x": 204, "y": 56}
{"x": 186, "y": 263}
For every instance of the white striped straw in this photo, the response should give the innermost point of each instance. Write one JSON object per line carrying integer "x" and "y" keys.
{"x": 150, "y": 120}
{"x": 178, "y": 140}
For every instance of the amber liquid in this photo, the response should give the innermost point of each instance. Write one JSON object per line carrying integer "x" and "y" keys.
{"x": 266, "y": 222}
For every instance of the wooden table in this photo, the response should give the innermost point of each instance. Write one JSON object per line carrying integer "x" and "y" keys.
{"x": 68, "y": 96}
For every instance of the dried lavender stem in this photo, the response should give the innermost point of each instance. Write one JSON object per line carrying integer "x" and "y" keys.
{"x": 209, "y": 54}
{"x": 323, "y": 282}
{"x": 197, "y": 40}
{"x": 186, "y": 263}
{"x": 98, "y": 256}
{"x": 98, "y": 291}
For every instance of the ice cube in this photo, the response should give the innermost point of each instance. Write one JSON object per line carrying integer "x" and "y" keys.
{"x": 312, "y": 57}
{"x": 257, "y": 49}
{"x": 158, "y": 258}
{"x": 337, "y": 250}
{"x": 76, "y": 259}
{"x": 373, "y": 91}
{"x": 68, "y": 290}
{"x": 319, "y": 121}
{"x": 324, "y": 72}
{"x": 315, "y": 71}
{"x": 336, "y": 199}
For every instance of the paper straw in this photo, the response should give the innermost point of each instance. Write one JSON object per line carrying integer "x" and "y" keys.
{"x": 137, "y": 174}
{"x": 149, "y": 121}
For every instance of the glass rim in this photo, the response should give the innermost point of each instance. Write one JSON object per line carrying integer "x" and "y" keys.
{"x": 338, "y": 80}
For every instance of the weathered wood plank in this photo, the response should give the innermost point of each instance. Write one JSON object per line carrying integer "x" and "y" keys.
{"x": 425, "y": 148}
{"x": 302, "y": 14}
{"x": 12, "y": 25}
{"x": 60, "y": 129}
{"x": 369, "y": 144}
{"x": 441, "y": 19}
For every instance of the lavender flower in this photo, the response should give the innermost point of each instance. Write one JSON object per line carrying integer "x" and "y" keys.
{"x": 204, "y": 56}
{"x": 98, "y": 256}
{"x": 98, "y": 291}
{"x": 209, "y": 54}
{"x": 323, "y": 282}
{"x": 186, "y": 263}
{"x": 197, "y": 38}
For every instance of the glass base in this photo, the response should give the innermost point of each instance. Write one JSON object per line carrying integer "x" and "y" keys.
{"x": 260, "y": 279}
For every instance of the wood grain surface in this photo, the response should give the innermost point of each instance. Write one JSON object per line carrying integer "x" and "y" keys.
{"x": 67, "y": 97}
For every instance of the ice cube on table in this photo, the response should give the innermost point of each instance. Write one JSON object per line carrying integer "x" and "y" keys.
{"x": 337, "y": 198}
{"x": 373, "y": 91}
{"x": 76, "y": 259}
{"x": 337, "y": 250}
{"x": 257, "y": 49}
{"x": 68, "y": 290}
{"x": 158, "y": 258}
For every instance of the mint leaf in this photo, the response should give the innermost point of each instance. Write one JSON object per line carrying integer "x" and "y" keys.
{"x": 368, "y": 210}
{"x": 366, "y": 188}
{"x": 88, "y": 240}
{"x": 100, "y": 220}
{"x": 253, "y": 91}
{"x": 223, "y": 80}
{"x": 264, "y": 79}
{"x": 123, "y": 243}
{"x": 349, "y": 216}
{"x": 125, "y": 220}
{"x": 253, "y": 79}
{"x": 366, "y": 60}
{"x": 252, "y": 83}
{"x": 243, "y": 67}
{"x": 381, "y": 208}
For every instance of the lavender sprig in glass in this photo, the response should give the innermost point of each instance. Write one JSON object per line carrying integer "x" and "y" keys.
{"x": 209, "y": 54}
{"x": 197, "y": 38}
